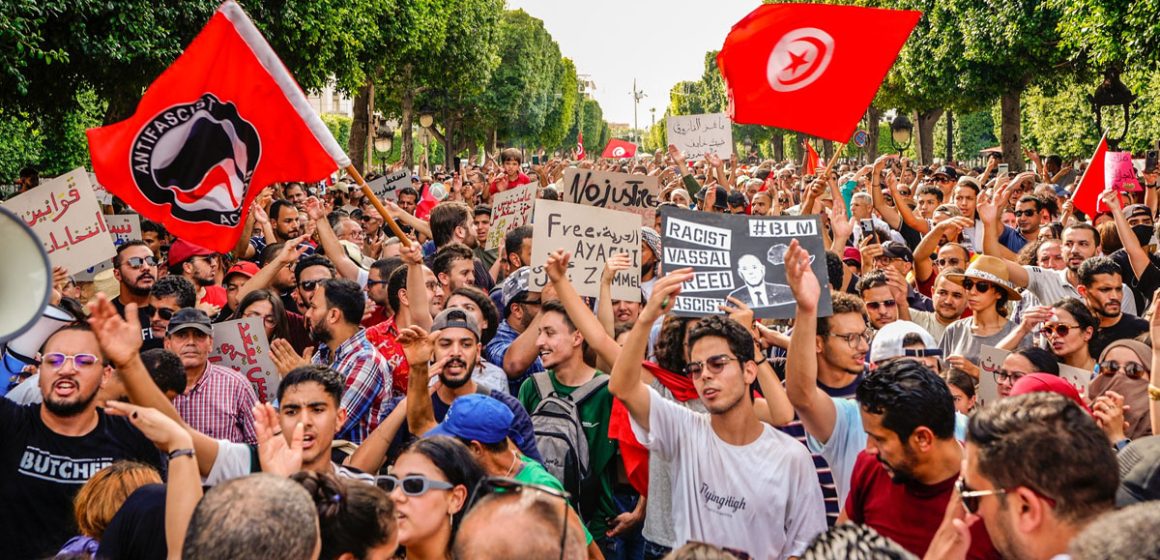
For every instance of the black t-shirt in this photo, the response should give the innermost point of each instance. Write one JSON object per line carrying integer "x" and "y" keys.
{"x": 1144, "y": 286}
{"x": 1128, "y": 327}
{"x": 42, "y": 471}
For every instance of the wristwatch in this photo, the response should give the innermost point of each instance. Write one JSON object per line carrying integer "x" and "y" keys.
{"x": 180, "y": 453}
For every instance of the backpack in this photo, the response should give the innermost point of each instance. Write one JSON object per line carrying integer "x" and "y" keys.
{"x": 560, "y": 434}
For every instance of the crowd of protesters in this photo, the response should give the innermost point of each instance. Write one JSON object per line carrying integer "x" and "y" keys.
{"x": 435, "y": 402}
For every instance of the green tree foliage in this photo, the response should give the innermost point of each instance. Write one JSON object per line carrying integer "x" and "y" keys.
{"x": 1111, "y": 32}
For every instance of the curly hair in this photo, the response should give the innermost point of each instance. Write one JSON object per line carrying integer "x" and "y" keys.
{"x": 908, "y": 395}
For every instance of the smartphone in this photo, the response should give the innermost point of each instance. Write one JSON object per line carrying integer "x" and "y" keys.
{"x": 1003, "y": 168}
{"x": 535, "y": 160}
{"x": 868, "y": 230}
{"x": 1151, "y": 159}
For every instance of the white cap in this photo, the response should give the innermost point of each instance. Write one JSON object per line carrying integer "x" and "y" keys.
{"x": 888, "y": 343}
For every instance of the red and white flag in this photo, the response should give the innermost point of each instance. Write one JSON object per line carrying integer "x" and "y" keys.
{"x": 619, "y": 149}
{"x": 812, "y": 68}
{"x": 222, "y": 122}
{"x": 580, "y": 155}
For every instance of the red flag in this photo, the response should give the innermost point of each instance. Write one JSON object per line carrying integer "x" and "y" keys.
{"x": 809, "y": 67}
{"x": 222, "y": 122}
{"x": 580, "y": 155}
{"x": 811, "y": 165}
{"x": 1086, "y": 198}
{"x": 619, "y": 149}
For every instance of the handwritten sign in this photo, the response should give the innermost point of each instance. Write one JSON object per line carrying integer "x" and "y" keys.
{"x": 1076, "y": 376}
{"x": 637, "y": 194}
{"x": 242, "y": 345}
{"x": 104, "y": 197}
{"x": 1119, "y": 174}
{"x": 66, "y": 217}
{"x": 738, "y": 256}
{"x": 387, "y": 187}
{"x": 124, "y": 227}
{"x": 990, "y": 362}
{"x": 700, "y": 135}
{"x": 592, "y": 235}
{"x": 510, "y": 209}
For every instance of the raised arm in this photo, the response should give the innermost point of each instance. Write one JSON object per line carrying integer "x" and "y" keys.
{"x": 923, "y": 267}
{"x": 912, "y": 220}
{"x": 1137, "y": 256}
{"x": 290, "y": 253}
{"x": 416, "y": 287}
{"x": 775, "y": 407}
{"x": 329, "y": 240}
{"x": 420, "y": 226}
{"x": 814, "y": 407}
{"x": 613, "y": 266}
{"x": 989, "y": 213}
{"x": 888, "y": 214}
{"x": 594, "y": 334}
{"x": 372, "y": 452}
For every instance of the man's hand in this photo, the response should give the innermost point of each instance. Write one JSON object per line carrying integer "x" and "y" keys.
{"x": 119, "y": 338}
{"x": 1111, "y": 199}
{"x": 314, "y": 209}
{"x": 897, "y": 285}
{"x": 285, "y": 358}
{"x": 664, "y": 295}
{"x": 277, "y": 453}
{"x": 165, "y": 433}
{"x": 624, "y": 523}
{"x": 557, "y": 267}
{"x": 412, "y": 254}
{"x": 259, "y": 214}
{"x": 418, "y": 345}
{"x": 292, "y": 251}
{"x": 741, "y": 313}
{"x": 953, "y": 538}
{"x": 801, "y": 278}
{"x": 617, "y": 263}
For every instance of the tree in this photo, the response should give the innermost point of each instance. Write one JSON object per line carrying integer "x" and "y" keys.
{"x": 1111, "y": 32}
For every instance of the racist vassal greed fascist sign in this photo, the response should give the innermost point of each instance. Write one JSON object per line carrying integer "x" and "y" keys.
{"x": 739, "y": 256}
{"x": 592, "y": 235}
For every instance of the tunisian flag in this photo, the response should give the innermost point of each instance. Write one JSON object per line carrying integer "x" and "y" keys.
{"x": 619, "y": 149}
{"x": 811, "y": 163}
{"x": 222, "y": 122}
{"x": 580, "y": 154}
{"x": 809, "y": 67}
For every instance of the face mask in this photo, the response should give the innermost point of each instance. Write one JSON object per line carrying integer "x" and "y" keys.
{"x": 1143, "y": 233}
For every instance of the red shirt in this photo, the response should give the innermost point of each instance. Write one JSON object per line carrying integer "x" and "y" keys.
{"x": 909, "y": 513}
{"x": 521, "y": 179}
{"x": 214, "y": 295}
{"x": 384, "y": 337}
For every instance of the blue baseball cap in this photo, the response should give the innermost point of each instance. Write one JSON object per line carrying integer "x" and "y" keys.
{"x": 475, "y": 417}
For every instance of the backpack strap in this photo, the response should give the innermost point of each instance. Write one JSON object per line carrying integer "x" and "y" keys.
{"x": 543, "y": 384}
{"x": 588, "y": 389}
{"x": 481, "y": 390}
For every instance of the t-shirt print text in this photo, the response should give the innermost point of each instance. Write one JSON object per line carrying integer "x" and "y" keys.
{"x": 733, "y": 503}
{"x": 41, "y": 464}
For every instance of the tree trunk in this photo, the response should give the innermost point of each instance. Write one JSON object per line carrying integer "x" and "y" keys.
{"x": 1009, "y": 137}
{"x": 950, "y": 148}
{"x": 873, "y": 115}
{"x": 777, "y": 141}
{"x": 406, "y": 123}
{"x": 120, "y": 108}
{"x": 356, "y": 145}
{"x": 798, "y": 148}
{"x": 827, "y": 150}
{"x": 924, "y": 143}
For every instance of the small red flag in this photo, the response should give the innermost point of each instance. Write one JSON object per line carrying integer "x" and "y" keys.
{"x": 222, "y": 122}
{"x": 811, "y": 165}
{"x": 619, "y": 149}
{"x": 580, "y": 155}
{"x": 812, "y": 68}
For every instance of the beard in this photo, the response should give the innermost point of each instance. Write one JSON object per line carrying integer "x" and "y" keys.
{"x": 901, "y": 473}
{"x": 319, "y": 333}
{"x": 137, "y": 290}
{"x": 456, "y": 382}
{"x": 68, "y": 409}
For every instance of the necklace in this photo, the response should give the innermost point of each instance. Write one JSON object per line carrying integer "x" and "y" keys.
{"x": 515, "y": 461}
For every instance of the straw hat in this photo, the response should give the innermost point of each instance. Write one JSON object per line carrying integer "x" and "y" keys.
{"x": 988, "y": 269}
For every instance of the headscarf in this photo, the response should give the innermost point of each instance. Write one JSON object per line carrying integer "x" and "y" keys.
{"x": 1135, "y": 391}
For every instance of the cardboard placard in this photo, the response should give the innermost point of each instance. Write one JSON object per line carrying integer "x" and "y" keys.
{"x": 122, "y": 228}
{"x": 1119, "y": 174}
{"x": 699, "y": 135}
{"x": 387, "y": 187}
{"x": 510, "y": 209}
{"x": 739, "y": 256}
{"x": 1076, "y": 376}
{"x": 242, "y": 345}
{"x": 990, "y": 362}
{"x": 637, "y": 194}
{"x": 592, "y": 235}
{"x": 65, "y": 215}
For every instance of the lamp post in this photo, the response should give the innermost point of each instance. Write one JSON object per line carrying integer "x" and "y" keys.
{"x": 384, "y": 139}
{"x": 426, "y": 120}
{"x": 748, "y": 143}
{"x": 901, "y": 133}
{"x": 637, "y": 95}
{"x": 1111, "y": 93}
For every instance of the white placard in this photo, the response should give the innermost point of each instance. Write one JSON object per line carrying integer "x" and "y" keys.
{"x": 242, "y": 345}
{"x": 510, "y": 209}
{"x": 65, "y": 215}
{"x": 592, "y": 235}
{"x": 387, "y": 187}
{"x": 699, "y": 135}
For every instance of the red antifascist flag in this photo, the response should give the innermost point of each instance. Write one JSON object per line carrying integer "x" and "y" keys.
{"x": 811, "y": 164}
{"x": 812, "y": 68}
{"x": 222, "y": 122}
{"x": 619, "y": 149}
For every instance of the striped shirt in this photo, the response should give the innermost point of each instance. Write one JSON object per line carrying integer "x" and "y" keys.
{"x": 368, "y": 397}
{"x": 220, "y": 405}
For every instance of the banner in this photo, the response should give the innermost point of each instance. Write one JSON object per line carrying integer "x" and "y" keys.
{"x": 700, "y": 135}
{"x": 738, "y": 256}
{"x": 1119, "y": 173}
{"x": 387, "y": 187}
{"x": 510, "y": 209}
{"x": 65, "y": 215}
{"x": 592, "y": 235}
{"x": 124, "y": 227}
{"x": 637, "y": 194}
{"x": 242, "y": 345}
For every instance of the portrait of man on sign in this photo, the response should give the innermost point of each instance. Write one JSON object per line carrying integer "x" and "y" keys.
{"x": 755, "y": 291}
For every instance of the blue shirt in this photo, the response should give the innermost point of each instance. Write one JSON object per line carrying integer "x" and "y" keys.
{"x": 495, "y": 350}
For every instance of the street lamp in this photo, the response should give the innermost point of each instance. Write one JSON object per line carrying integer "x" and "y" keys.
{"x": 748, "y": 143}
{"x": 426, "y": 120}
{"x": 384, "y": 136}
{"x": 1111, "y": 93}
{"x": 901, "y": 133}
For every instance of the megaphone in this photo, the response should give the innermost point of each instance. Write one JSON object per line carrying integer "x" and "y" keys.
{"x": 25, "y": 280}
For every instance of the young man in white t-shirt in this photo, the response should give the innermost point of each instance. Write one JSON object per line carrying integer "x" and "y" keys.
{"x": 737, "y": 483}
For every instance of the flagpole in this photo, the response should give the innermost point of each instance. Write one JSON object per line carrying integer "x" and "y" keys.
{"x": 367, "y": 192}
{"x": 833, "y": 160}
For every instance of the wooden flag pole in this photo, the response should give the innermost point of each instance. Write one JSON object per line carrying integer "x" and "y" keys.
{"x": 833, "y": 160}
{"x": 367, "y": 192}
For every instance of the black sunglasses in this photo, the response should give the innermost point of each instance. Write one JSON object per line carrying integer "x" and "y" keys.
{"x": 309, "y": 285}
{"x": 874, "y": 305}
{"x": 1131, "y": 369}
{"x": 138, "y": 262}
{"x": 981, "y": 287}
{"x": 165, "y": 314}
{"x": 970, "y": 498}
{"x": 1025, "y": 213}
{"x": 502, "y": 485}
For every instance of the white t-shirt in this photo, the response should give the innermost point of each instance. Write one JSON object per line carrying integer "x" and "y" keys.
{"x": 235, "y": 460}
{"x": 762, "y": 498}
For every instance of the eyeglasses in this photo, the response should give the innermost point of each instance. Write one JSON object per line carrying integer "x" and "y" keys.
{"x": 875, "y": 305}
{"x": 309, "y": 285}
{"x": 500, "y": 485}
{"x": 1008, "y": 376}
{"x": 970, "y": 498}
{"x": 432, "y": 285}
{"x": 1132, "y": 370}
{"x": 414, "y": 485}
{"x": 950, "y": 262}
{"x": 165, "y": 314}
{"x": 853, "y": 338}
{"x": 716, "y": 365}
{"x": 56, "y": 360}
{"x": 1025, "y": 213}
{"x": 269, "y": 320}
{"x": 138, "y": 262}
{"x": 981, "y": 287}
{"x": 1057, "y": 329}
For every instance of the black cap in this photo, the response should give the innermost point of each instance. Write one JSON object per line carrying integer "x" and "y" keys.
{"x": 946, "y": 170}
{"x": 896, "y": 250}
{"x": 1139, "y": 472}
{"x": 737, "y": 199}
{"x": 190, "y": 318}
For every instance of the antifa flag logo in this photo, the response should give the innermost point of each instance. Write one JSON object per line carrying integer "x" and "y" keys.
{"x": 198, "y": 158}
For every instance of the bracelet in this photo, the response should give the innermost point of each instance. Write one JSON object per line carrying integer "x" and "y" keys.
{"x": 180, "y": 453}
{"x": 1153, "y": 392}
{"x": 764, "y": 360}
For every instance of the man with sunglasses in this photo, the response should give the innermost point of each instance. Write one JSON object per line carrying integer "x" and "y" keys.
{"x": 168, "y": 295}
{"x": 1030, "y": 214}
{"x": 198, "y": 265}
{"x": 881, "y": 301}
{"x": 135, "y": 269}
{"x": 1031, "y": 512}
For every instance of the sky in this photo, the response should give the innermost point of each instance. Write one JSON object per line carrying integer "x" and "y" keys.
{"x": 657, "y": 42}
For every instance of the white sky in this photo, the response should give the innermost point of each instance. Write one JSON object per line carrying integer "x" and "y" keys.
{"x": 658, "y": 42}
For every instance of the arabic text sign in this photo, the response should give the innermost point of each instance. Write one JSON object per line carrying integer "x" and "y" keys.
{"x": 1119, "y": 174}
{"x": 510, "y": 209}
{"x": 738, "y": 256}
{"x": 638, "y": 194}
{"x": 122, "y": 228}
{"x": 387, "y": 187}
{"x": 699, "y": 135}
{"x": 592, "y": 235}
{"x": 242, "y": 345}
{"x": 66, "y": 217}
{"x": 990, "y": 362}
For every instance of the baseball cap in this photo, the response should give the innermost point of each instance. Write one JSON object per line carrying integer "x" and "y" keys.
{"x": 852, "y": 254}
{"x": 515, "y": 286}
{"x": 475, "y": 417}
{"x": 454, "y": 317}
{"x": 1047, "y": 383}
{"x": 182, "y": 251}
{"x": 737, "y": 199}
{"x": 190, "y": 318}
{"x": 889, "y": 342}
{"x": 245, "y": 268}
{"x": 1139, "y": 472}
{"x": 342, "y": 187}
{"x": 946, "y": 171}
{"x": 896, "y": 250}
{"x": 1133, "y": 210}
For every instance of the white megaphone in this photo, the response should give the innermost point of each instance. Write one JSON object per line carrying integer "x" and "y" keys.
{"x": 25, "y": 280}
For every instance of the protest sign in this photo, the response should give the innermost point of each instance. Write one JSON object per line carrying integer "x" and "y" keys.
{"x": 104, "y": 197}
{"x": 699, "y": 135}
{"x": 1076, "y": 376}
{"x": 387, "y": 187}
{"x": 510, "y": 209}
{"x": 592, "y": 235}
{"x": 1119, "y": 174}
{"x": 990, "y": 362}
{"x": 66, "y": 217}
{"x": 738, "y": 256}
{"x": 242, "y": 345}
{"x": 638, "y": 194}
{"x": 122, "y": 228}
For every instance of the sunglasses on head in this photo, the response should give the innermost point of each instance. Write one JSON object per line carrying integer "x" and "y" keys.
{"x": 138, "y": 262}
{"x": 716, "y": 365}
{"x": 56, "y": 360}
{"x": 1057, "y": 329}
{"x": 884, "y": 304}
{"x": 501, "y": 485}
{"x": 1132, "y": 370}
{"x": 979, "y": 286}
{"x": 413, "y": 485}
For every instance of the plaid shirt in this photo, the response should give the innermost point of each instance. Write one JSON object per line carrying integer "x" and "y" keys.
{"x": 220, "y": 405}
{"x": 368, "y": 397}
